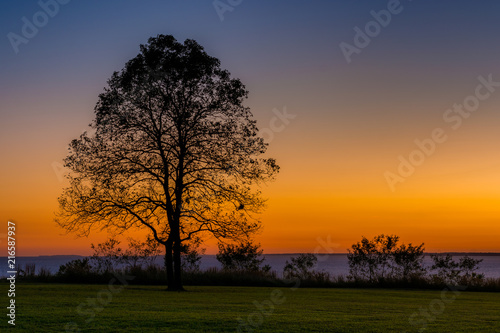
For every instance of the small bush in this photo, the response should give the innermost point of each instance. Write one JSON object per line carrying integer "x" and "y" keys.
{"x": 28, "y": 272}
{"x": 300, "y": 267}
{"x": 449, "y": 271}
{"x": 243, "y": 257}
{"x": 77, "y": 266}
{"x": 191, "y": 257}
{"x": 142, "y": 254}
{"x": 107, "y": 256}
{"x": 381, "y": 259}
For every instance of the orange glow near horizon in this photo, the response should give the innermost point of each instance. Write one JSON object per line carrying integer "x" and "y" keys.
{"x": 300, "y": 216}
{"x": 449, "y": 206}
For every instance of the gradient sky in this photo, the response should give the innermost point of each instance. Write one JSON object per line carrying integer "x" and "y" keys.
{"x": 352, "y": 120}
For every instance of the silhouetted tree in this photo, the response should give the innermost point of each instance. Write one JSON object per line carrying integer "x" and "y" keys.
{"x": 241, "y": 257}
{"x": 382, "y": 257}
{"x": 301, "y": 267}
{"x": 408, "y": 261}
{"x": 191, "y": 256}
{"x": 108, "y": 256}
{"x": 172, "y": 150}
{"x": 450, "y": 271}
{"x": 142, "y": 253}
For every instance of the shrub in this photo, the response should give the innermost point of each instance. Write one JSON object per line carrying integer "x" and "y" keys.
{"x": 142, "y": 254}
{"x": 408, "y": 261}
{"x": 29, "y": 271}
{"x": 44, "y": 273}
{"x": 240, "y": 257}
{"x": 300, "y": 267}
{"x": 381, "y": 258}
{"x": 449, "y": 271}
{"x": 76, "y": 267}
{"x": 107, "y": 256}
{"x": 191, "y": 257}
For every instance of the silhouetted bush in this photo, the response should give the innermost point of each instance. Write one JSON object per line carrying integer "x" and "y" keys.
{"x": 381, "y": 259}
{"x": 109, "y": 257}
{"x": 244, "y": 257}
{"x": 449, "y": 271}
{"x": 75, "y": 267}
{"x": 301, "y": 268}
{"x": 28, "y": 272}
{"x": 191, "y": 257}
{"x": 142, "y": 254}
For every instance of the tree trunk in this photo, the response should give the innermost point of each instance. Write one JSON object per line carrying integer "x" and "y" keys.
{"x": 173, "y": 261}
{"x": 177, "y": 266}
{"x": 169, "y": 264}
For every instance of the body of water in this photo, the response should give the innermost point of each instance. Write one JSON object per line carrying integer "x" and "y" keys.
{"x": 335, "y": 264}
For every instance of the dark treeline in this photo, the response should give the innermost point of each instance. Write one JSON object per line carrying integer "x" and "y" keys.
{"x": 380, "y": 262}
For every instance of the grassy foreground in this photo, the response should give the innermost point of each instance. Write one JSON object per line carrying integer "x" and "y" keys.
{"x": 94, "y": 308}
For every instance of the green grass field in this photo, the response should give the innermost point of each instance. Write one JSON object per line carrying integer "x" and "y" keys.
{"x": 94, "y": 308}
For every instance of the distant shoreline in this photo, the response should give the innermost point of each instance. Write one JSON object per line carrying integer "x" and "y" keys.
{"x": 334, "y": 263}
{"x": 278, "y": 254}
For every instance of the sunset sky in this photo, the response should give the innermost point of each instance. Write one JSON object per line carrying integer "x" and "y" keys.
{"x": 350, "y": 124}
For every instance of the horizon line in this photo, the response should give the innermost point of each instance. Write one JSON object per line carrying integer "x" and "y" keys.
{"x": 284, "y": 253}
